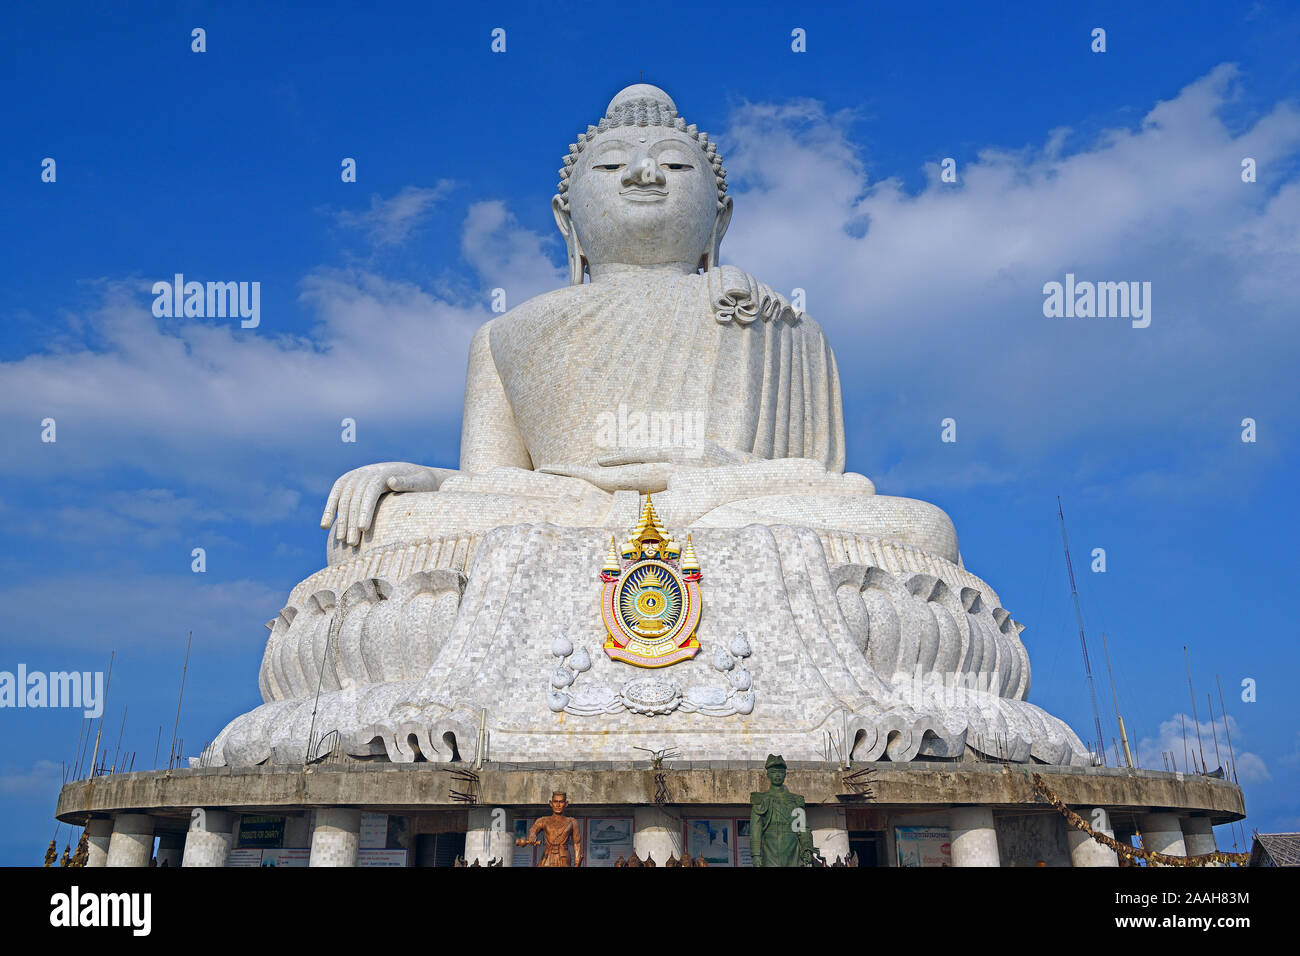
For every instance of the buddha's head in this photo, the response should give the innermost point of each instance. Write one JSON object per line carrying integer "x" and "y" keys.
{"x": 642, "y": 189}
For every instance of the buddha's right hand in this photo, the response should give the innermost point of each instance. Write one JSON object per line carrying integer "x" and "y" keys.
{"x": 351, "y": 504}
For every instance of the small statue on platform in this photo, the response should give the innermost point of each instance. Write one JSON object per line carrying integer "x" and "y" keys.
{"x": 51, "y": 853}
{"x": 559, "y": 830}
{"x": 778, "y": 831}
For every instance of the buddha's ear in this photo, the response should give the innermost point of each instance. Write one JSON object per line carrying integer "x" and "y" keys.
{"x": 720, "y": 224}
{"x": 564, "y": 222}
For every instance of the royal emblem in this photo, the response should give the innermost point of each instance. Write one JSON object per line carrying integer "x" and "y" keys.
{"x": 650, "y": 600}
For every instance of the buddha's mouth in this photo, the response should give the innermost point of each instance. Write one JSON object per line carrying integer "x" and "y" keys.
{"x": 644, "y": 194}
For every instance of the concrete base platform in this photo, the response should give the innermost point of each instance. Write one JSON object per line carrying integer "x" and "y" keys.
{"x": 391, "y": 787}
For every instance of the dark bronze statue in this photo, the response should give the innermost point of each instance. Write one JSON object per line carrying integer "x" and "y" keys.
{"x": 778, "y": 828}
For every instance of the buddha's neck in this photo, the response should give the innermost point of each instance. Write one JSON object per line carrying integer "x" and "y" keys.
{"x": 615, "y": 270}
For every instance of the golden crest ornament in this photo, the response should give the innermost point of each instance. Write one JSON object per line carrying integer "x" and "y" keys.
{"x": 650, "y": 596}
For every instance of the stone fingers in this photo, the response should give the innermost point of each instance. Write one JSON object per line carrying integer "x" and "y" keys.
{"x": 344, "y": 507}
{"x": 331, "y": 503}
{"x": 366, "y": 501}
{"x": 361, "y": 490}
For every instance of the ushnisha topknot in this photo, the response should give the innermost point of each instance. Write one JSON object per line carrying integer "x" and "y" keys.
{"x": 643, "y": 105}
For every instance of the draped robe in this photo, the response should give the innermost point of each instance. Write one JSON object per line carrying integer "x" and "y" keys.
{"x": 720, "y": 352}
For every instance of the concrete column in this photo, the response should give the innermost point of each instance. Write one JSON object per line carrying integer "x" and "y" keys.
{"x": 100, "y": 831}
{"x": 656, "y": 835}
{"x": 171, "y": 847}
{"x": 974, "y": 838}
{"x": 488, "y": 839}
{"x": 1084, "y": 850}
{"x": 1198, "y": 836}
{"x": 336, "y": 838}
{"x": 297, "y": 831}
{"x": 830, "y": 832}
{"x": 132, "y": 840}
{"x": 1162, "y": 833}
{"x": 209, "y": 839}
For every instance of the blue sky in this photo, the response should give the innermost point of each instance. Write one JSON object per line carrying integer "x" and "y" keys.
{"x": 1120, "y": 166}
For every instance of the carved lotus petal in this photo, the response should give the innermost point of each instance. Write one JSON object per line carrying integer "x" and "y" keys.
{"x": 722, "y": 659}
{"x": 593, "y": 695}
{"x": 581, "y": 661}
{"x": 562, "y": 678}
{"x": 739, "y": 678}
{"x": 562, "y": 647}
{"x": 705, "y": 695}
{"x": 740, "y": 646}
{"x": 557, "y": 701}
{"x": 744, "y": 703}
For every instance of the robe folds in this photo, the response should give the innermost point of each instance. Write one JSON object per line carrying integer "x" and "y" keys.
{"x": 592, "y": 370}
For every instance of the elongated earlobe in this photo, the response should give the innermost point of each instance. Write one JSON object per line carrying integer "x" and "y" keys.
{"x": 710, "y": 258}
{"x": 564, "y": 222}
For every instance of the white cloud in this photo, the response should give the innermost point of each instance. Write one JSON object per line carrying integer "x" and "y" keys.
{"x": 1251, "y": 767}
{"x": 234, "y": 410}
{"x": 933, "y": 300}
{"x": 388, "y": 222}
{"x": 508, "y": 256}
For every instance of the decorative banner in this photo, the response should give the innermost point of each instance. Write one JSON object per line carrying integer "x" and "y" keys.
{"x": 375, "y": 858}
{"x": 742, "y": 843}
{"x": 923, "y": 846}
{"x": 710, "y": 839}
{"x": 260, "y": 830}
{"x": 650, "y": 599}
{"x": 374, "y": 831}
{"x": 286, "y": 857}
{"x": 607, "y": 840}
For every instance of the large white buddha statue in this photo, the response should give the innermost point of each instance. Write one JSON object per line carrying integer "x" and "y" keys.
{"x": 714, "y": 366}
{"x": 462, "y": 608}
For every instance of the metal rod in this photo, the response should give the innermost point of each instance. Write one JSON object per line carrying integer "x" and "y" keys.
{"x": 76, "y": 754}
{"x": 1215, "y": 730}
{"x": 1199, "y": 742}
{"x": 118, "y": 749}
{"x": 336, "y": 624}
{"x": 1123, "y": 735}
{"x": 179, "y": 697}
{"x": 1223, "y": 710}
{"x": 99, "y": 732}
{"x": 1083, "y": 641}
{"x": 157, "y": 743}
{"x": 1182, "y": 719}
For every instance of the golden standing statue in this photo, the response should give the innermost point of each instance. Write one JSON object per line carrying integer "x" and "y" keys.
{"x": 559, "y": 830}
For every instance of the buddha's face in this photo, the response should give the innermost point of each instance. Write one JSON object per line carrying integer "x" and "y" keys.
{"x": 643, "y": 196}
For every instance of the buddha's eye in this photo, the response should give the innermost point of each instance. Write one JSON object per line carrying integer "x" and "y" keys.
{"x": 609, "y": 166}
{"x": 676, "y": 166}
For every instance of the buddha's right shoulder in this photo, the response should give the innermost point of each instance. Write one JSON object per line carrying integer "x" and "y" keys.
{"x": 545, "y": 302}
{"x": 522, "y": 316}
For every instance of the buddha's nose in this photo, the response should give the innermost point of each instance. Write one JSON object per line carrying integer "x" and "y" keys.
{"x": 643, "y": 172}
